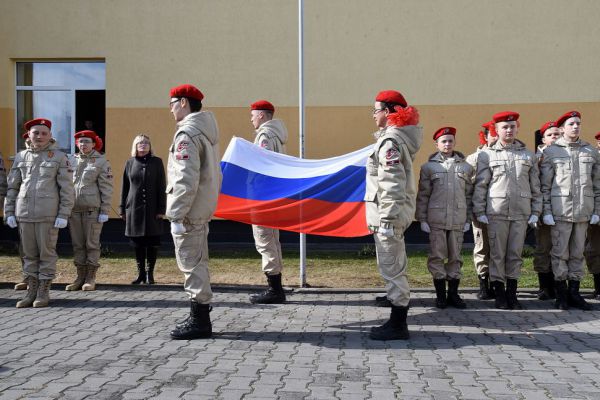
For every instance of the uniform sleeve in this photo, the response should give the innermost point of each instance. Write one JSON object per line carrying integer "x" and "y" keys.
{"x": 263, "y": 140}
{"x": 105, "y": 186}
{"x": 546, "y": 179}
{"x": 162, "y": 187}
{"x": 534, "y": 184}
{"x": 482, "y": 182}
{"x": 469, "y": 186}
{"x": 66, "y": 191}
{"x": 391, "y": 177}
{"x": 3, "y": 181}
{"x": 124, "y": 189}
{"x": 596, "y": 183}
{"x": 423, "y": 194}
{"x": 184, "y": 181}
{"x": 13, "y": 185}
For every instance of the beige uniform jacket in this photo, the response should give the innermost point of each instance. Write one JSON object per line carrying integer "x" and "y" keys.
{"x": 570, "y": 176}
{"x": 40, "y": 185}
{"x": 272, "y": 135}
{"x": 445, "y": 190}
{"x": 391, "y": 189}
{"x": 194, "y": 172}
{"x": 507, "y": 186}
{"x": 93, "y": 181}
{"x": 3, "y": 182}
{"x": 472, "y": 159}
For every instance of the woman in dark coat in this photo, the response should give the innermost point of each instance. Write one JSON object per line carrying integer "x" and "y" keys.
{"x": 143, "y": 205}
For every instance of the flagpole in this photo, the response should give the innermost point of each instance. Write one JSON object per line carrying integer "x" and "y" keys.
{"x": 301, "y": 124}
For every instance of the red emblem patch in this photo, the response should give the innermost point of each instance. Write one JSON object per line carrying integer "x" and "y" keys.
{"x": 50, "y": 154}
{"x": 264, "y": 144}
{"x": 182, "y": 145}
{"x": 182, "y": 156}
{"x": 391, "y": 153}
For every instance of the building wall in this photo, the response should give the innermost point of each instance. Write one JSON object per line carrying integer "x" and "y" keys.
{"x": 458, "y": 61}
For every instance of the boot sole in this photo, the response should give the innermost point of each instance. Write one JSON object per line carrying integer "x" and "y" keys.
{"x": 88, "y": 289}
{"x": 192, "y": 337}
{"x": 40, "y": 305}
{"x": 377, "y": 336}
{"x": 24, "y": 305}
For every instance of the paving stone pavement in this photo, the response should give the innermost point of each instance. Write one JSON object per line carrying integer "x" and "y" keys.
{"x": 113, "y": 344}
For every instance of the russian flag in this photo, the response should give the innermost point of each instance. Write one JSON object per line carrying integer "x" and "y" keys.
{"x": 319, "y": 197}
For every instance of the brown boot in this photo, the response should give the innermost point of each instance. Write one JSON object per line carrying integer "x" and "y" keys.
{"x": 78, "y": 283}
{"x": 90, "y": 279}
{"x": 43, "y": 294}
{"x": 21, "y": 285}
{"x": 32, "y": 288}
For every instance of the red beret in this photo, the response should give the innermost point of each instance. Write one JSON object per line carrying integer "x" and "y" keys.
{"x": 447, "y": 130}
{"x": 490, "y": 128}
{"x": 391, "y": 97}
{"x": 597, "y": 136}
{"x": 189, "y": 91}
{"x": 505, "y": 116}
{"x": 38, "y": 121}
{"x": 262, "y": 105}
{"x": 566, "y": 116}
{"x": 25, "y": 135}
{"x": 92, "y": 135}
{"x": 546, "y": 126}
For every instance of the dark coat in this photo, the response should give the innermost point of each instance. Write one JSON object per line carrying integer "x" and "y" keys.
{"x": 143, "y": 196}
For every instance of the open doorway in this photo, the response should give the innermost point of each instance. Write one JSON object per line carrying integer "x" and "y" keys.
{"x": 90, "y": 112}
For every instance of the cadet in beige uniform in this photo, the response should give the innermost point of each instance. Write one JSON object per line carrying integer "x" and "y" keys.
{"x": 549, "y": 132}
{"x": 194, "y": 181}
{"x": 271, "y": 134}
{"x": 390, "y": 201}
{"x": 570, "y": 175}
{"x": 444, "y": 210}
{"x": 592, "y": 247}
{"x": 93, "y": 181}
{"x": 506, "y": 198}
{"x": 481, "y": 248}
{"x": 39, "y": 201}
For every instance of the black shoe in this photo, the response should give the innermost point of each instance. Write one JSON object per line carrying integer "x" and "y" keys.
{"x": 484, "y": 288}
{"x": 562, "y": 295}
{"x": 382, "y": 301}
{"x": 394, "y": 329}
{"x": 198, "y": 326}
{"x": 440, "y": 293}
{"x": 454, "y": 299}
{"x": 273, "y": 295}
{"x": 500, "y": 293}
{"x": 575, "y": 299}
{"x": 511, "y": 295}
{"x": 141, "y": 275}
{"x": 152, "y": 252}
{"x": 596, "y": 294}
{"x": 546, "y": 280}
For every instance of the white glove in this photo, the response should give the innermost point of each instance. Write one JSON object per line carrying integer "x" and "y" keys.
{"x": 533, "y": 220}
{"x": 387, "y": 232}
{"x": 425, "y": 227}
{"x": 466, "y": 227}
{"x": 11, "y": 221}
{"x": 102, "y": 218}
{"x": 483, "y": 219}
{"x": 548, "y": 220}
{"x": 594, "y": 220}
{"x": 60, "y": 223}
{"x": 177, "y": 228}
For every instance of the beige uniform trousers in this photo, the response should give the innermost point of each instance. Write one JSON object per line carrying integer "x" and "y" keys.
{"x": 444, "y": 245}
{"x": 592, "y": 249}
{"x": 481, "y": 250}
{"x": 507, "y": 239}
{"x": 543, "y": 246}
{"x": 85, "y": 236}
{"x": 392, "y": 264}
{"x": 568, "y": 244}
{"x": 38, "y": 240}
{"x": 268, "y": 246}
{"x": 191, "y": 251}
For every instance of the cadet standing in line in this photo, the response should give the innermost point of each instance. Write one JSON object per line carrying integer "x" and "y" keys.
{"x": 444, "y": 210}
{"x": 271, "y": 134}
{"x": 549, "y": 132}
{"x": 39, "y": 201}
{"x": 592, "y": 247}
{"x": 23, "y": 284}
{"x": 506, "y": 198}
{"x": 570, "y": 174}
{"x": 390, "y": 202}
{"x": 194, "y": 181}
{"x": 481, "y": 250}
{"x": 93, "y": 181}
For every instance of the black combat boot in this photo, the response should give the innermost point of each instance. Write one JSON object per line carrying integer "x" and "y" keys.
{"x": 440, "y": 293}
{"x": 140, "y": 259}
{"x": 382, "y": 301}
{"x": 546, "y": 280}
{"x": 273, "y": 295}
{"x": 575, "y": 299}
{"x": 562, "y": 295}
{"x": 197, "y": 326}
{"x": 454, "y": 299}
{"x": 395, "y": 328}
{"x": 500, "y": 293}
{"x": 511, "y": 295}
{"x": 596, "y": 294}
{"x": 485, "y": 292}
{"x": 152, "y": 252}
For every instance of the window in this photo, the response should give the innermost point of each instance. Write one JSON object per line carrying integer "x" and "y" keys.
{"x": 70, "y": 94}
